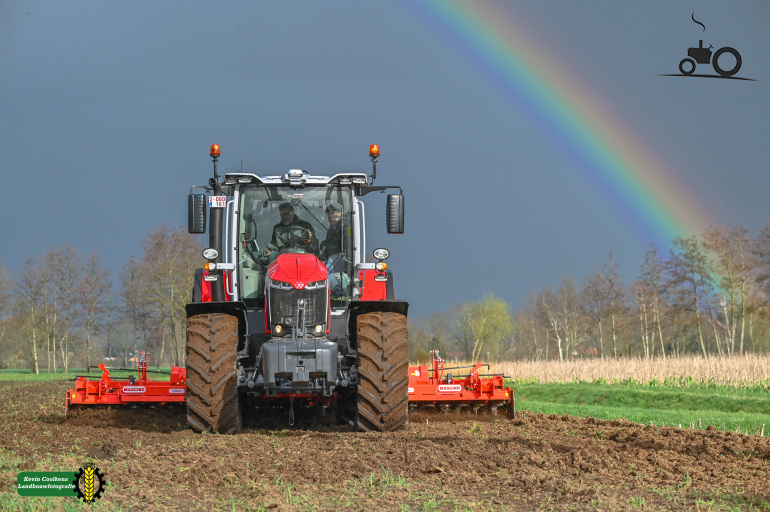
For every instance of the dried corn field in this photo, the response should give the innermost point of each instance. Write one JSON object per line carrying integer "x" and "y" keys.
{"x": 736, "y": 371}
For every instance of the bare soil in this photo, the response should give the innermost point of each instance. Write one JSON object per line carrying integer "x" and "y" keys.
{"x": 152, "y": 461}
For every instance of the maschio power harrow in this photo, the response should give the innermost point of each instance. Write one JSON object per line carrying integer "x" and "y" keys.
{"x": 433, "y": 389}
{"x": 134, "y": 391}
{"x": 437, "y": 389}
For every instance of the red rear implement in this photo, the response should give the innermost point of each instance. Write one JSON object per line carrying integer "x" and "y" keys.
{"x": 436, "y": 388}
{"x": 108, "y": 391}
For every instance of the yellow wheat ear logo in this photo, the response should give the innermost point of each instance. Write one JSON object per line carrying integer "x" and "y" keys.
{"x": 89, "y": 475}
{"x": 88, "y": 483}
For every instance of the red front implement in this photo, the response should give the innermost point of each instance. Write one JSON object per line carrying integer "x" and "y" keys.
{"x": 107, "y": 391}
{"x": 437, "y": 388}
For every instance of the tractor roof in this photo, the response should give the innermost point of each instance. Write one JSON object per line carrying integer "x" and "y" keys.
{"x": 295, "y": 177}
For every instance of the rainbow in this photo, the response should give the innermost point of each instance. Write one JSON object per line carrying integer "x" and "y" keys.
{"x": 632, "y": 177}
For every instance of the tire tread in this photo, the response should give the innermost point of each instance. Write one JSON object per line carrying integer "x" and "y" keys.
{"x": 383, "y": 372}
{"x": 212, "y": 393}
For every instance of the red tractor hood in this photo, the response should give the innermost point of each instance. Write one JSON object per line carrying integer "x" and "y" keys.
{"x": 297, "y": 269}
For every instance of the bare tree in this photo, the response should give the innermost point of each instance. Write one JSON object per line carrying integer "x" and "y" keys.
{"x": 617, "y": 303}
{"x": 462, "y": 334}
{"x": 136, "y": 304}
{"x": 170, "y": 258}
{"x": 652, "y": 279}
{"x": 91, "y": 294}
{"x": 642, "y": 296}
{"x": 29, "y": 291}
{"x": 760, "y": 272}
{"x": 712, "y": 295}
{"x": 64, "y": 270}
{"x": 111, "y": 308}
{"x": 50, "y": 262}
{"x": 419, "y": 340}
{"x": 563, "y": 314}
{"x": 571, "y": 314}
{"x": 687, "y": 271}
{"x": 730, "y": 247}
{"x": 6, "y": 287}
{"x": 426, "y": 334}
{"x": 549, "y": 307}
{"x": 441, "y": 332}
{"x": 530, "y": 331}
{"x": 595, "y": 297}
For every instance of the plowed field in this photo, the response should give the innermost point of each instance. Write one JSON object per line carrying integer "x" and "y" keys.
{"x": 533, "y": 462}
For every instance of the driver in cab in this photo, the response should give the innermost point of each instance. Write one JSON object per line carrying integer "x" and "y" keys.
{"x": 293, "y": 232}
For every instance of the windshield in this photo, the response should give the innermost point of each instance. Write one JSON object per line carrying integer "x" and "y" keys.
{"x": 274, "y": 220}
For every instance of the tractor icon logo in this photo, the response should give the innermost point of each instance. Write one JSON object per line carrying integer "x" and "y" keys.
{"x": 726, "y": 61}
{"x": 703, "y": 55}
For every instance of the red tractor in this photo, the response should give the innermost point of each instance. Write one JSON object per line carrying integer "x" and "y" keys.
{"x": 288, "y": 312}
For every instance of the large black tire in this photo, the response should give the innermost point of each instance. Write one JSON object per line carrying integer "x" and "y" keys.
{"x": 212, "y": 392}
{"x": 383, "y": 372}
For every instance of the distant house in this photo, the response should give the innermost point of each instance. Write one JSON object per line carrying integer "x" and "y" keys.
{"x": 455, "y": 356}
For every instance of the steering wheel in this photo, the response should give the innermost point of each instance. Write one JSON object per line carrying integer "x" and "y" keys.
{"x": 292, "y": 236}
{"x": 249, "y": 240}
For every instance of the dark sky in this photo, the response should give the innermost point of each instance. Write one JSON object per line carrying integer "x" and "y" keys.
{"x": 532, "y": 139}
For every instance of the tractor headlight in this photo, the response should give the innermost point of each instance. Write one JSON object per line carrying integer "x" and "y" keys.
{"x": 381, "y": 254}
{"x": 318, "y": 329}
{"x": 278, "y": 329}
{"x": 279, "y": 284}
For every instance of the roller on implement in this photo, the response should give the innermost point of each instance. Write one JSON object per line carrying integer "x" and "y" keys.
{"x": 132, "y": 391}
{"x": 437, "y": 389}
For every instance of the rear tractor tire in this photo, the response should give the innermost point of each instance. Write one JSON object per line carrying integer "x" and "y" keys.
{"x": 383, "y": 372}
{"x": 212, "y": 392}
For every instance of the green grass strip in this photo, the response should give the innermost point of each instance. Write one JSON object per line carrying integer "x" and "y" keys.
{"x": 725, "y": 408}
{"x": 723, "y": 421}
{"x": 722, "y": 399}
{"x": 44, "y": 376}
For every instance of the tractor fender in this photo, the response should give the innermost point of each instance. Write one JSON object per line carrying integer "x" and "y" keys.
{"x": 202, "y": 288}
{"x": 374, "y": 287}
{"x": 359, "y": 307}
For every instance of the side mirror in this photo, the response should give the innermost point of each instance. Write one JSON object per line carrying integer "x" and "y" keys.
{"x": 395, "y": 214}
{"x": 196, "y": 213}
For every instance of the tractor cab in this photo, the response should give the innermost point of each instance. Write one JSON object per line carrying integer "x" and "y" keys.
{"x": 276, "y": 220}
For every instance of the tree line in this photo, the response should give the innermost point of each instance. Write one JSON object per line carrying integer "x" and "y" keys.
{"x": 709, "y": 295}
{"x": 63, "y": 310}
